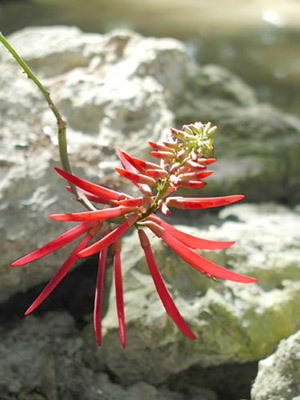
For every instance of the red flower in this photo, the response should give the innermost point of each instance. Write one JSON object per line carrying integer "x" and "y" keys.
{"x": 183, "y": 161}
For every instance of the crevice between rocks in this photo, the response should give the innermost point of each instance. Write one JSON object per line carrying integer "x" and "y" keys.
{"x": 228, "y": 381}
{"x": 75, "y": 294}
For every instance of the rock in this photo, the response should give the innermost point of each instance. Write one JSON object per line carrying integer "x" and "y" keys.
{"x": 215, "y": 83}
{"x": 256, "y": 144}
{"x": 43, "y": 358}
{"x": 279, "y": 374}
{"x": 51, "y": 51}
{"x": 229, "y": 319}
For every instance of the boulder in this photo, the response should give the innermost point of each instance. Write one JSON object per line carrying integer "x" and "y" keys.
{"x": 257, "y": 146}
{"x": 233, "y": 322}
{"x": 47, "y": 361}
{"x": 279, "y": 374}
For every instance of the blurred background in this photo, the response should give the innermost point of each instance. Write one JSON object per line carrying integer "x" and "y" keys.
{"x": 257, "y": 39}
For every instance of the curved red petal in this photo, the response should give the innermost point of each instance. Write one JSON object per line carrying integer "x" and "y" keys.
{"x": 129, "y": 163}
{"x": 119, "y": 296}
{"x": 98, "y": 215}
{"x": 137, "y": 163}
{"x": 55, "y": 244}
{"x": 89, "y": 186}
{"x": 194, "y": 175}
{"x": 193, "y": 241}
{"x": 92, "y": 197}
{"x": 191, "y": 184}
{"x": 164, "y": 155}
{"x": 124, "y": 160}
{"x": 162, "y": 290}
{"x": 64, "y": 269}
{"x": 157, "y": 173}
{"x": 136, "y": 178}
{"x": 138, "y": 201}
{"x": 202, "y": 264}
{"x": 202, "y": 202}
{"x": 109, "y": 238}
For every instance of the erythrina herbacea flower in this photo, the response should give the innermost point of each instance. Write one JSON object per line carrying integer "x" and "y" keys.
{"x": 183, "y": 158}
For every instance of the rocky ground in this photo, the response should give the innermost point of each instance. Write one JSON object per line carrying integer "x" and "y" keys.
{"x": 124, "y": 89}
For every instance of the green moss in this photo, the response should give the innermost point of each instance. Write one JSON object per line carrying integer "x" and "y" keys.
{"x": 277, "y": 321}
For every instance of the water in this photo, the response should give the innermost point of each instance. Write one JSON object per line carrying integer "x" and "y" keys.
{"x": 258, "y": 39}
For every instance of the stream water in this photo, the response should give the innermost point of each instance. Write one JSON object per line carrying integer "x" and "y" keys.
{"x": 257, "y": 39}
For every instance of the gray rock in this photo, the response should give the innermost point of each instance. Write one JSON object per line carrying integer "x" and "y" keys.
{"x": 257, "y": 146}
{"x": 51, "y": 51}
{"x": 279, "y": 375}
{"x": 43, "y": 358}
{"x": 233, "y": 322}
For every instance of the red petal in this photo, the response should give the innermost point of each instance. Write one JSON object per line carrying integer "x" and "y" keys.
{"x": 108, "y": 239}
{"x": 206, "y": 161}
{"x": 98, "y": 295}
{"x": 92, "y": 197}
{"x": 55, "y": 244}
{"x": 137, "y": 163}
{"x": 119, "y": 295}
{"x": 194, "y": 165}
{"x": 172, "y": 144}
{"x": 164, "y": 209}
{"x": 94, "y": 215}
{"x": 161, "y": 288}
{"x": 138, "y": 201}
{"x": 157, "y": 173}
{"x": 160, "y": 146}
{"x": 181, "y": 153}
{"x": 127, "y": 162}
{"x": 193, "y": 241}
{"x": 194, "y": 175}
{"x": 90, "y": 187}
{"x": 155, "y": 227}
{"x": 175, "y": 167}
{"x": 191, "y": 184}
{"x": 202, "y": 264}
{"x": 202, "y": 202}
{"x": 136, "y": 178}
{"x": 64, "y": 269}
{"x": 145, "y": 189}
{"x": 164, "y": 155}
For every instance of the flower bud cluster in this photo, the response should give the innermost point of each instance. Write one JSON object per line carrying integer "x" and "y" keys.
{"x": 186, "y": 154}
